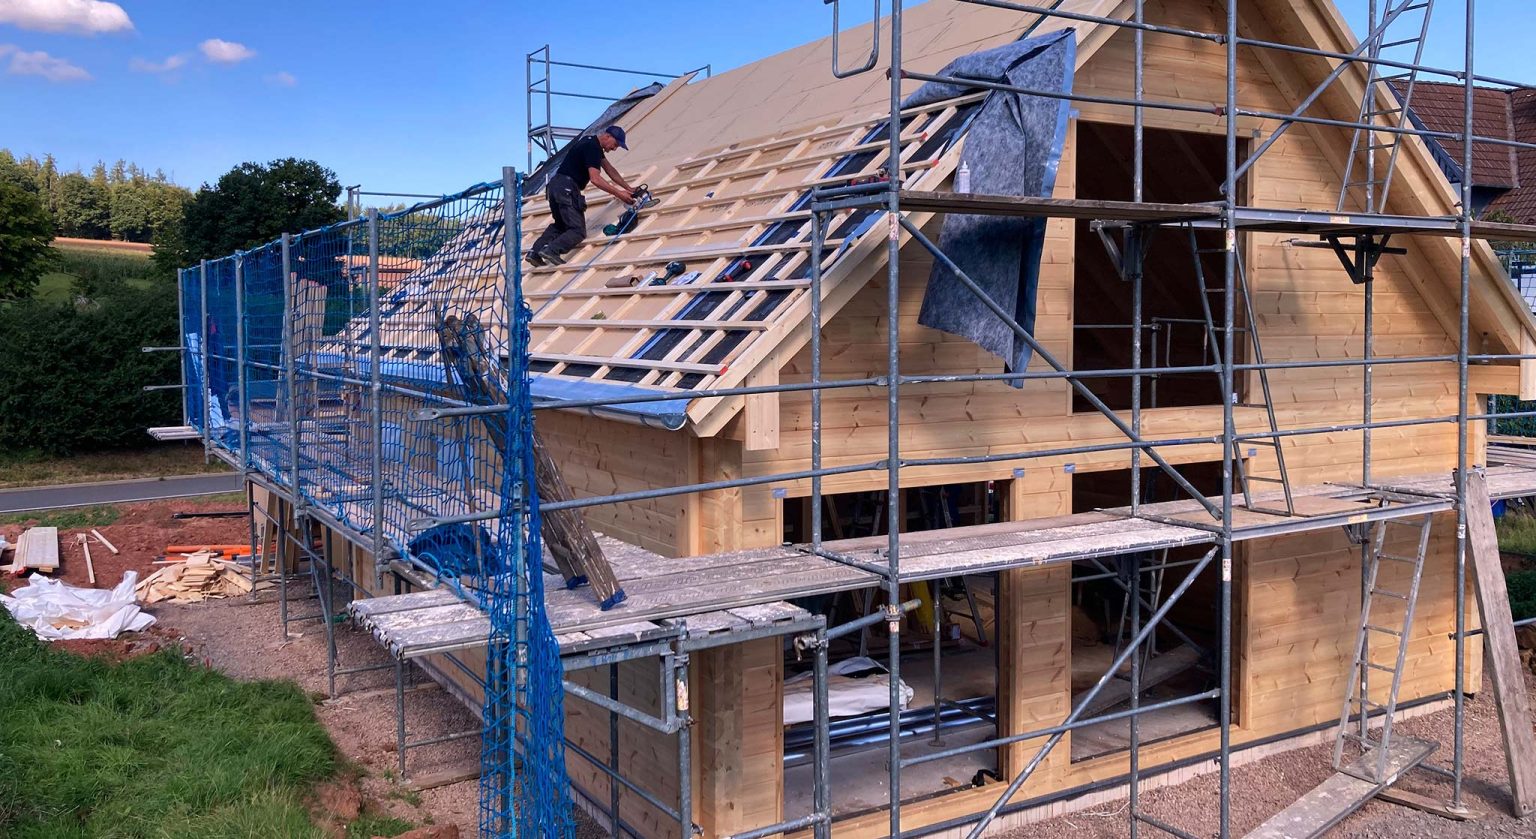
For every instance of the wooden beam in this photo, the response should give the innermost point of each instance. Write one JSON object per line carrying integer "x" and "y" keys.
{"x": 1503, "y": 653}
{"x": 762, "y": 412}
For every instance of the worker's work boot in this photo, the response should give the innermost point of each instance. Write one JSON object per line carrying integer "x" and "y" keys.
{"x": 534, "y": 258}
{"x": 552, "y": 258}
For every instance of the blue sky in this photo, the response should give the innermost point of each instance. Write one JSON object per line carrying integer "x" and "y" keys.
{"x": 400, "y": 96}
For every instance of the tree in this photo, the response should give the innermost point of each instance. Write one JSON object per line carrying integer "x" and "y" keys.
{"x": 15, "y": 173}
{"x": 83, "y": 209}
{"x": 25, "y": 232}
{"x": 143, "y": 212}
{"x": 250, "y": 205}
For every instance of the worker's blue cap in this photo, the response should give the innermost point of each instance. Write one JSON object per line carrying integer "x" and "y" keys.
{"x": 617, "y": 133}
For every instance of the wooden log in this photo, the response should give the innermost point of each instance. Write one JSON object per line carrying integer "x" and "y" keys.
{"x": 571, "y": 542}
{"x": 1503, "y": 653}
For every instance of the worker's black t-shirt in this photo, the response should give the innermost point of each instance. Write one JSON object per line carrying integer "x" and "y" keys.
{"x": 582, "y": 155}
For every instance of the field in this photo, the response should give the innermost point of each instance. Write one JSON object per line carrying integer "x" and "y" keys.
{"x": 84, "y": 264}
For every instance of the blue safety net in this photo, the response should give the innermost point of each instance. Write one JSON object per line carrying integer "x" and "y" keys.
{"x": 319, "y": 362}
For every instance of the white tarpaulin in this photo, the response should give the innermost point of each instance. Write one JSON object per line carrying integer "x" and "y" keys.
{"x": 58, "y": 611}
{"x": 846, "y": 696}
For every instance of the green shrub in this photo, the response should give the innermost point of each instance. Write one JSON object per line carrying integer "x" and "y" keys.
{"x": 1522, "y": 594}
{"x": 72, "y": 376}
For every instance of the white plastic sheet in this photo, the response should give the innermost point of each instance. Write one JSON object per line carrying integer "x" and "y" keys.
{"x": 846, "y": 696}
{"x": 58, "y": 611}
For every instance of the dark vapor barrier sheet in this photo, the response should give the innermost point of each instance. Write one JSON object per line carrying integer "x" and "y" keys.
{"x": 1013, "y": 148}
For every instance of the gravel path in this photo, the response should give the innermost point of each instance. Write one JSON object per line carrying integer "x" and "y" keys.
{"x": 1263, "y": 788}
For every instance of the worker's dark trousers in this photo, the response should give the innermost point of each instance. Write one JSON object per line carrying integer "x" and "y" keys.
{"x": 569, "y": 208}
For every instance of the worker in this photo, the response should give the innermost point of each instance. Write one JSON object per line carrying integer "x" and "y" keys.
{"x": 586, "y": 161}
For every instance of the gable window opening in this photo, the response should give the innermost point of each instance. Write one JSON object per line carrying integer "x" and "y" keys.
{"x": 1183, "y": 273}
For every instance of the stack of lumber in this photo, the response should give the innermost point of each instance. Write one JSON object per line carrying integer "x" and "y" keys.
{"x": 38, "y": 548}
{"x": 201, "y": 577}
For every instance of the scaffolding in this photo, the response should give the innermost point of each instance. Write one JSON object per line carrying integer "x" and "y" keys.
{"x": 546, "y": 138}
{"x": 320, "y": 419}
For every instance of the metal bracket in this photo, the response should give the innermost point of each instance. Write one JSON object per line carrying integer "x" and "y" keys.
{"x": 1360, "y": 257}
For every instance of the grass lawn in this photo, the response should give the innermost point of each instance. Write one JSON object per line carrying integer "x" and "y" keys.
{"x": 154, "y": 747}
{"x": 163, "y": 459}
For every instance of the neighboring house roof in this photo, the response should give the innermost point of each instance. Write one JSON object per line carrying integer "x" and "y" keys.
{"x": 1441, "y": 107}
{"x": 734, "y": 157}
{"x": 1520, "y": 203}
{"x": 1496, "y": 113}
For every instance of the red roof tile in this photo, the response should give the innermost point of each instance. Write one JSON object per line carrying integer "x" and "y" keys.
{"x": 1442, "y": 107}
{"x": 1521, "y": 203}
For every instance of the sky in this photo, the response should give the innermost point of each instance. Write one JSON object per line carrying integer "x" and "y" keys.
{"x": 412, "y": 97}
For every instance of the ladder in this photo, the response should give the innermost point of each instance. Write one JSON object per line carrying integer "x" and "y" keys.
{"x": 1387, "y": 101}
{"x": 1376, "y": 606}
{"x": 1271, "y": 440}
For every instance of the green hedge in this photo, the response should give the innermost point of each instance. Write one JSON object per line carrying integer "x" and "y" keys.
{"x": 72, "y": 375}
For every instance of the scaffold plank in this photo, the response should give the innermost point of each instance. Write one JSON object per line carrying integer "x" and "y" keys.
{"x": 1343, "y": 793}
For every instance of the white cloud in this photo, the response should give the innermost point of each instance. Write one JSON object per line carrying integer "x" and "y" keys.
{"x": 220, "y": 51}
{"x": 282, "y": 78}
{"x": 24, "y": 63}
{"x": 80, "y": 17}
{"x": 170, "y": 64}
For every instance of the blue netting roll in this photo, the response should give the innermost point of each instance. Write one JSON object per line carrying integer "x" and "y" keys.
{"x": 524, "y": 790}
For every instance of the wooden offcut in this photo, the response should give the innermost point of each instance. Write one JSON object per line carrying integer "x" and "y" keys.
{"x": 1503, "y": 652}
{"x": 200, "y": 577}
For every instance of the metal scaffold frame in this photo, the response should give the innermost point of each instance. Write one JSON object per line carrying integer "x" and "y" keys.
{"x": 289, "y": 457}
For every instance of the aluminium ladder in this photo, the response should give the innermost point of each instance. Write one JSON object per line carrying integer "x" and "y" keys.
{"x": 1272, "y": 439}
{"x": 1376, "y": 606}
{"x": 1387, "y": 101}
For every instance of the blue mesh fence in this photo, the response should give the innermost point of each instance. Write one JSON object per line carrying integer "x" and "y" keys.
{"x": 315, "y": 362}
{"x": 266, "y": 395}
{"x": 193, "y": 395}
{"x": 220, "y": 353}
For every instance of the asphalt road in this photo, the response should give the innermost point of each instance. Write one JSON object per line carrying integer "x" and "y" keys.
{"x": 116, "y": 492}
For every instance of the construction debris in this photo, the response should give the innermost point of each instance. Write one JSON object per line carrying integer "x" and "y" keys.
{"x": 90, "y": 567}
{"x": 37, "y": 549}
{"x": 56, "y": 610}
{"x": 201, "y": 577}
{"x": 103, "y": 540}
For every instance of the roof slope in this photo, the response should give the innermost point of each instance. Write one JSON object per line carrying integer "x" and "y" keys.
{"x": 733, "y": 158}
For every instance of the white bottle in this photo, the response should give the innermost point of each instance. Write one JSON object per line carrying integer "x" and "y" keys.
{"x": 963, "y": 179}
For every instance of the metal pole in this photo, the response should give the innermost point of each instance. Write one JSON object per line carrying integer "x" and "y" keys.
{"x": 181, "y": 343}
{"x": 202, "y": 331}
{"x": 376, "y": 394}
{"x": 1138, "y": 187}
{"x": 818, "y": 231}
{"x": 1470, "y": 93}
{"x": 240, "y": 394}
{"x": 893, "y": 408}
{"x": 1229, "y": 429}
{"x": 613, "y": 749}
{"x": 822, "y": 747}
{"x": 680, "y": 704}
{"x": 291, "y": 366}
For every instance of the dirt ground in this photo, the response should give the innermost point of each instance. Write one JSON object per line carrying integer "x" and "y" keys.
{"x": 1263, "y": 788}
{"x": 141, "y": 534}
